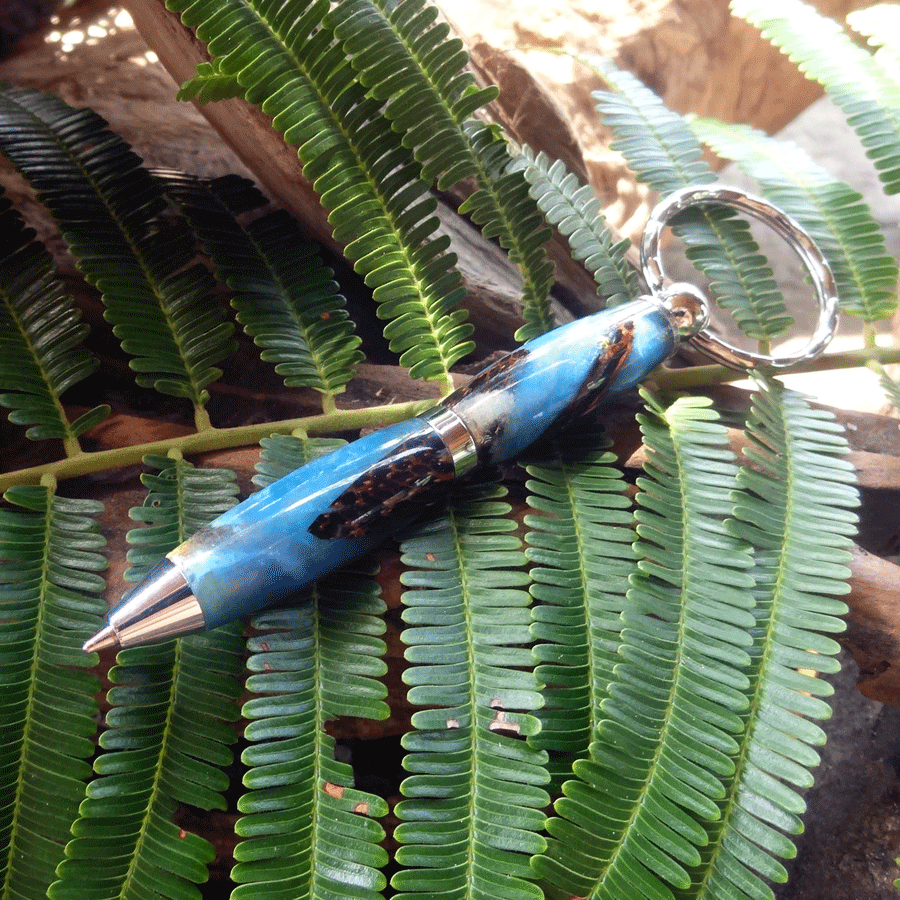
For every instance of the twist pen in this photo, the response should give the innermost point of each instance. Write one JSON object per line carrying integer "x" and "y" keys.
{"x": 343, "y": 504}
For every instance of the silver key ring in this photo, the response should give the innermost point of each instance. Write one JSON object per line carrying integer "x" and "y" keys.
{"x": 791, "y": 231}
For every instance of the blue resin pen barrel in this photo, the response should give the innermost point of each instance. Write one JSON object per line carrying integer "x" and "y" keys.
{"x": 341, "y": 505}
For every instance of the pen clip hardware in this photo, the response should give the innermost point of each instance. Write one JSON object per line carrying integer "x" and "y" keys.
{"x": 691, "y": 305}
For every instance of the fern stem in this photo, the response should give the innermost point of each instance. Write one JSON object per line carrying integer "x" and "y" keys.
{"x": 201, "y": 419}
{"x": 217, "y": 439}
{"x": 72, "y": 447}
{"x": 699, "y": 376}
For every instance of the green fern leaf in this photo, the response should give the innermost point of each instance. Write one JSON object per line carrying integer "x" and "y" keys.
{"x": 105, "y": 204}
{"x": 891, "y": 388}
{"x": 632, "y": 822}
{"x": 835, "y": 215}
{"x": 857, "y": 83}
{"x": 373, "y": 187}
{"x": 476, "y": 790}
{"x": 880, "y": 25}
{"x": 40, "y": 329}
{"x": 575, "y": 211}
{"x": 168, "y": 729}
{"x": 797, "y": 511}
{"x": 404, "y": 58}
{"x": 210, "y": 85}
{"x": 306, "y": 829}
{"x": 49, "y": 603}
{"x": 286, "y": 298}
{"x": 581, "y": 556}
{"x": 661, "y": 148}
{"x": 503, "y": 207}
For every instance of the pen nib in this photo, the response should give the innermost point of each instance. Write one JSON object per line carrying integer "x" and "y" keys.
{"x": 105, "y": 637}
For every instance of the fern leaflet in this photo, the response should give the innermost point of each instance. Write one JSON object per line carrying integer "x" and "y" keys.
{"x": 476, "y": 791}
{"x": 835, "y": 215}
{"x": 857, "y": 83}
{"x": 106, "y": 206}
{"x": 660, "y": 147}
{"x": 575, "y": 211}
{"x": 286, "y": 298}
{"x": 50, "y": 603}
{"x": 633, "y": 821}
{"x": 40, "y": 329}
{"x": 581, "y": 555}
{"x": 358, "y": 164}
{"x": 797, "y": 511}
{"x": 168, "y": 729}
{"x": 210, "y": 85}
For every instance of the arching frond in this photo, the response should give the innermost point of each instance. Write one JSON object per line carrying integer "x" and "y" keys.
{"x": 402, "y": 55}
{"x": 307, "y": 831}
{"x": 105, "y": 203}
{"x": 168, "y": 729}
{"x": 633, "y": 821}
{"x": 581, "y": 554}
{"x": 797, "y": 512}
{"x": 575, "y": 211}
{"x": 661, "y": 148}
{"x": 49, "y": 604}
{"x": 824, "y": 51}
{"x": 363, "y": 174}
{"x": 286, "y": 299}
{"x": 836, "y": 216}
{"x": 40, "y": 330}
{"x": 476, "y": 791}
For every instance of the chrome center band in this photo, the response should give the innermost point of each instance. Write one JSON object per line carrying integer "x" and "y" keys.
{"x": 456, "y": 437}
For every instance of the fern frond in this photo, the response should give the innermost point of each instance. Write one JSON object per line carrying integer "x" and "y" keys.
{"x": 168, "y": 729}
{"x": 662, "y": 150}
{"x": 106, "y": 204}
{"x": 633, "y": 821}
{"x": 403, "y": 57}
{"x": 836, "y": 216}
{"x": 40, "y": 330}
{"x": 581, "y": 555}
{"x": 503, "y": 207}
{"x": 286, "y": 298}
{"x": 575, "y": 211}
{"x": 824, "y": 51}
{"x": 476, "y": 789}
{"x": 364, "y": 176}
{"x": 49, "y": 604}
{"x": 891, "y": 388}
{"x": 306, "y": 829}
{"x": 797, "y": 511}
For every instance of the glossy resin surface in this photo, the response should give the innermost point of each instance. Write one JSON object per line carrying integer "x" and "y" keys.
{"x": 558, "y": 376}
{"x": 343, "y": 504}
{"x": 313, "y": 520}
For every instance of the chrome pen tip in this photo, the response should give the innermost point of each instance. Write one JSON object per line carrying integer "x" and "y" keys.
{"x": 105, "y": 637}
